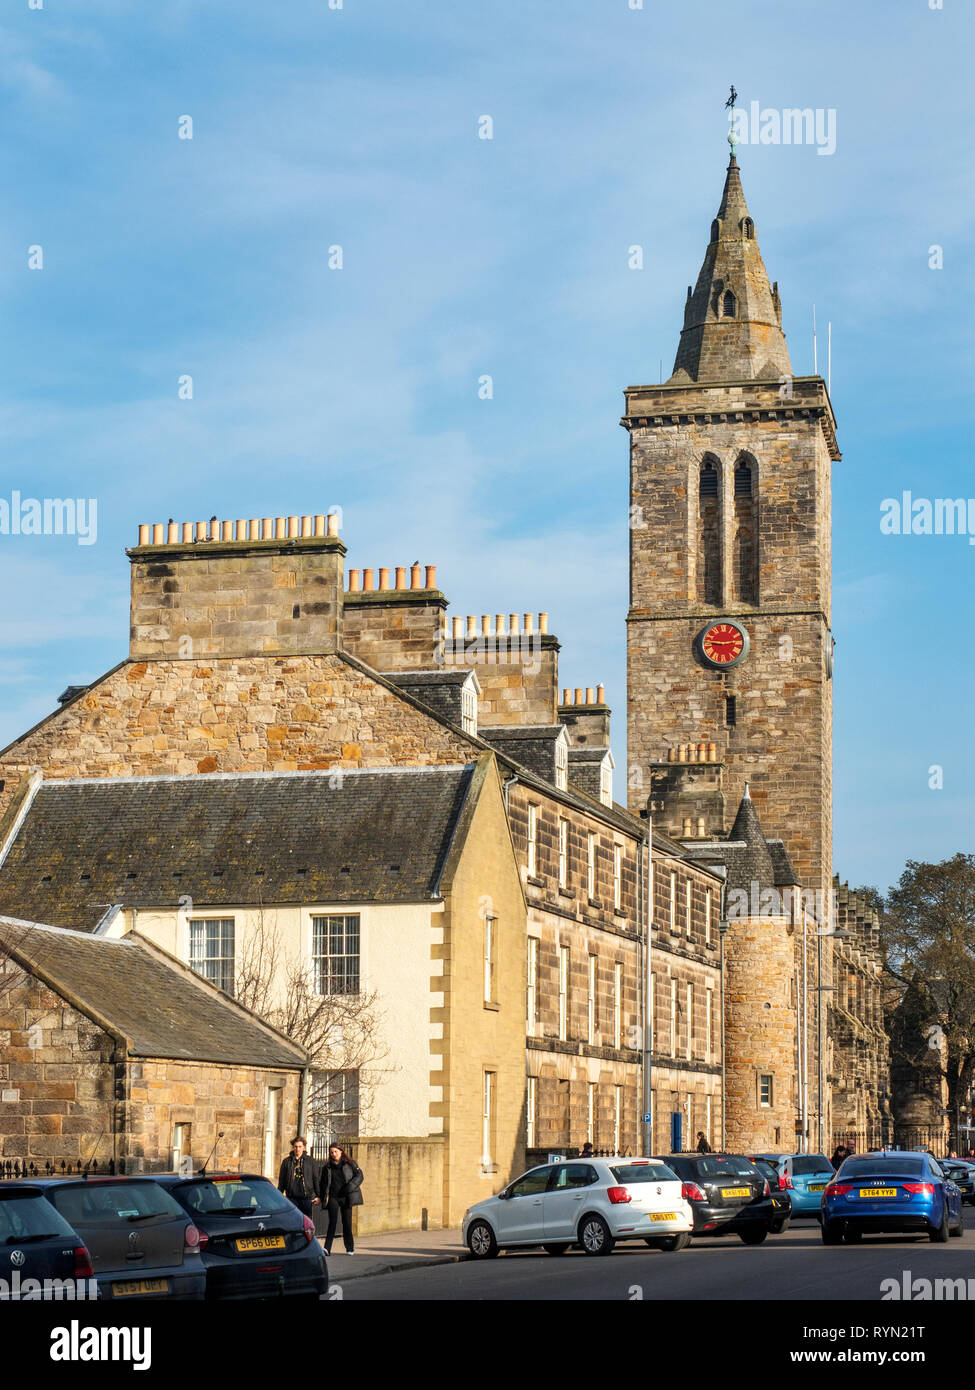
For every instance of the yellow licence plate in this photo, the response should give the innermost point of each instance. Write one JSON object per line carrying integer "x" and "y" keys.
{"x": 736, "y": 1192}
{"x": 140, "y": 1286}
{"x": 878, "y": 1191}
{"x": 663, "y": 1216}
{"x": 261, "y": 1243}
{"x": 817, "y": 1187}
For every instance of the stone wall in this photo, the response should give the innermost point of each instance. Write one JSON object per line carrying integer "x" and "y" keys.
{"x": 211, "y": 1099}
{"x": 403, "y": 1181}
{"x": 236, "y": 598}
{"x": 395, "y": 630}
{"x": 250, "y": 714}
{"x": 57, "y": 1078}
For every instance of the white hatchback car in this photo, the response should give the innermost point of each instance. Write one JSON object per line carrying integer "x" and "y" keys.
{"x": 592, "y": 1202}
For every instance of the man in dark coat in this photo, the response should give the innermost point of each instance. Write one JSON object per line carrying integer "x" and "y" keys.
{"x": 344, "y": 1178}
{"x": 299, "y": 1178}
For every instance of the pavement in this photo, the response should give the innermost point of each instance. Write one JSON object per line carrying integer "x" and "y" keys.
{"x": 393, "y": 1251}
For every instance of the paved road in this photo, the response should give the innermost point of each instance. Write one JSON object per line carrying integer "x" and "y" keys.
{"x": 793, "y": 1266}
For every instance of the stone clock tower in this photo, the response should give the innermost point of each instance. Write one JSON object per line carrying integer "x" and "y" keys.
{"x": 729, "y": 651}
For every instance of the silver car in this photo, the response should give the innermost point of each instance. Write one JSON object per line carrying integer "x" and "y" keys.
{"x": 591, "y": 1202}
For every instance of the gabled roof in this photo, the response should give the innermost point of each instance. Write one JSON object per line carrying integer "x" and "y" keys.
{"x": 134, "y": 990}
{"x": 366, "y": 835}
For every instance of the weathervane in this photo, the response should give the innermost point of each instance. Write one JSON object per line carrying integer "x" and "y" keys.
{"x": 732, "y": 133}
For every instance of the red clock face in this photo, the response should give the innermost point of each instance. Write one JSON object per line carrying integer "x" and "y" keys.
{"x": 723, "y": 644}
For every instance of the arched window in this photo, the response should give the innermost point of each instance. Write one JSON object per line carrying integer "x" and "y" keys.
{"x": 748, "y": 228}
{"x": 728, "y": 305}
{"x": 709, "y": 534}
{"x": 745, "y": 558}
{"x": 715, "y": 230}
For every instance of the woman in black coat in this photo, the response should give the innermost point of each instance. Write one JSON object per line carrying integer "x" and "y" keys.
{"x": 344, "y": 1178}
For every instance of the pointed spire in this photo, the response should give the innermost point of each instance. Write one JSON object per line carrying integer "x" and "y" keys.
{"x": 754, "y": 864}
{"x": 733, "y": 319}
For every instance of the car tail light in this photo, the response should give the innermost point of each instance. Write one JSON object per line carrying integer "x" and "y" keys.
{"x": 923, "y": 1189}
{"x": 195, "y": 1239}
{"x": 768, "y": 1190}
{"x": 82, "y": 1263}
{"x": 838, "y": 1189}
{"x": 309, "y": 1229}
{"x": 691, "y": 1192}
{"x": 785, "y": 1181}
{"x": 618, "y": 1194}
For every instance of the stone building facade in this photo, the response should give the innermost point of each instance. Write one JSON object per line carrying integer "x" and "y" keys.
{"x": 112, "y": 1052}
{"x": 860, "y": 1073}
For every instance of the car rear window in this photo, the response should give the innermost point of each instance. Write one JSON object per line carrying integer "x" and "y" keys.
{"x": 643, "y": 1172}
{"x": 725, "y": 1166}
{"x": 766, "y": 1168}
{"x": 871, "y": 1167}
{"x": 97, "y": 1202}
{"x": 29, "y": 1215}
{"x": 804, "y": 1165}
{"x": 233, "y": 1196}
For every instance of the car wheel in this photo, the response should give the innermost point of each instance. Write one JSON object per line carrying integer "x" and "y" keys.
{"x": 852, "y": 1237}
{"x": 559, "y": 1249}
{"x": 481, "y": 1241}
{"x": 832, "y": 1232}
{"x": 940, "y": 1236}
{"x": 678, "y": 1242}
{"x": 960, "y": 1228}
{"x": 595, "y": 1236}
{"x": 754, "y": 1237}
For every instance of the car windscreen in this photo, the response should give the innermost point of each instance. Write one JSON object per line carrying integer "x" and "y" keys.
{"x": 767, "y": 1169}
{"x": 232, "y": 1197}
{"x": 107, "y": 1202}
{"x": 725, "y": 1166}
{"x": 29, "y": 1217}
{"x": 643, "y": 1172}
{"x": 804, "y": 1165}
{"x": 878, "y": 1167}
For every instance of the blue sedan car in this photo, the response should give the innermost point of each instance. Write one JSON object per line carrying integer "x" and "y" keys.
{"x": 890, "y": 1191}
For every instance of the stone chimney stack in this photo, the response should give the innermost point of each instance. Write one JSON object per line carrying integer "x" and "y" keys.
{"x": 264, "y": 587}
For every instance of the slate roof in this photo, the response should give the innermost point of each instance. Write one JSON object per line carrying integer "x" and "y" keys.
{"x": 441, "y": 691}
{"x": 161, "y": 1007}
{"x": 529, "y": 745}
{"x": 371, "y": 835}
{"x": 750, "y": 858}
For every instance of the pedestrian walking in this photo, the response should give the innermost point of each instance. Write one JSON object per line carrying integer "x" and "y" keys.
{"x": 298, "y": 1178}
{"x": 703, "y": 1147}
{"x": 839, "y": 1153}
{"x": 586, "y": 1150}
{"x": 344, "y": 1191}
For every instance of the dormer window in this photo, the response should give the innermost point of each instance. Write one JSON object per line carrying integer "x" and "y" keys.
{"x": 468, "y": 709}
{"x": 561, "y": 764}
{"x": 728, "y": 306}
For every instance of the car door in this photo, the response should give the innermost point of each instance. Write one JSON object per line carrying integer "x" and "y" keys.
{"x": 565, "y": 1201}
{"x": 520, "y": 1215}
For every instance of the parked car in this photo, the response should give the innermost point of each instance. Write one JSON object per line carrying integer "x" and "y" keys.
{"x": 891, "y": 1192}
{"x": 258, "y": 1244}
{"x": 36, "y": 1242}
{"x": 780, "y": 1185}
{"x": 962, "y": 1175}
{"x": 592, "y": 1204}
{"x": 727, "y": 1194}
{"x": 142, "y": 1243}
{"x": 807, "y": 1176}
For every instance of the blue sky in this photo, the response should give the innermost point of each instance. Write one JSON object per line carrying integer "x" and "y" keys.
{"x": 462, "y": 257}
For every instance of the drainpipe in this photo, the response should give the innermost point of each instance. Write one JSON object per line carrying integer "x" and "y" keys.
{"x": 722, "y": 933}
{"x": 509, "y": 783}
{"x": 645, "y": 895}
{"x": 303, "y": 1086}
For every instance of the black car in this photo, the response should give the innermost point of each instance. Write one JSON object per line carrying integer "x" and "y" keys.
{"x": 727, "y": 1194}
{"x": 780, "y": 1194}
{"x": 37, "y": 1243}
{"x": 963, "y": 1176}
{"x": 142, "y": 1243}
{"x": 256, "y": 1243}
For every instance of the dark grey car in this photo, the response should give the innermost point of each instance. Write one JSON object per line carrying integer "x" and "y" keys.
{"x": 142, "y": 1243}
{"x": 36, "y": 1243}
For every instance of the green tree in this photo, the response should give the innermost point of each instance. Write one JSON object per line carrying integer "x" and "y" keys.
{"x": 928, "y": 932}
